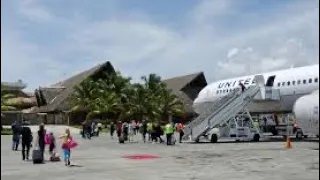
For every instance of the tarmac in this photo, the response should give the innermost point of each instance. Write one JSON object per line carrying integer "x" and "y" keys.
{"x": 102, "y": 159}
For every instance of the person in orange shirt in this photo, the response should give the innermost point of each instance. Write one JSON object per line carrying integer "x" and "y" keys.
{"x": 180, "y": 128}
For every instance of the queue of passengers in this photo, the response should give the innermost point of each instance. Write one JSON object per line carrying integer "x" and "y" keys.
{"x": 151, "y": 132}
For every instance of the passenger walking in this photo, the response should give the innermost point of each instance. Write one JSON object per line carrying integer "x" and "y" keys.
{"x": 89, "y": 130}
{"x": 180, "y": 129}
{"x": 125, "y": 129}
{"x": 144, "y": 130}
{"x": 112, "y": 129}
{"x": 149, "y": 128}
{"x": 159, "y": 132}
{"x": 119, "y": 128}
{"x": 52, "y": 144}
{"x": 66, "y": 140}
{"x": 131, "y": 132}
{"x": 26, "y": 138}
{"x": 169, "y": 130}
{"x": 84, "y": 129}
{"x": 16, "y": 131}
{"x": 153, "y": 134}
{"x": 41, "y": 138}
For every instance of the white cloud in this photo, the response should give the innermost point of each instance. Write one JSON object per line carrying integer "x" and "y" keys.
{"x": 233, "y": 52}
{"x": 206, "y": 42}
{"x": 34, "y": 11}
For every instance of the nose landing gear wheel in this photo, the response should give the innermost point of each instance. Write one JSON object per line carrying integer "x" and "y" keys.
{"x": 256, "y": 138}
{"x": 214, "y": 138}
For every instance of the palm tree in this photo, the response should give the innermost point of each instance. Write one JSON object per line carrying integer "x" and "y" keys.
{"x": 170, "y": 104}
{"x": 113, "y": 95}
{"x": 106, "y": 94}
{"x": 83, "y": 96}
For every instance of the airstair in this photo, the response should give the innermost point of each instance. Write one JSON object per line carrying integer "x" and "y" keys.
{"x": 209, "y": 108}
{"x": 220, "y": 112}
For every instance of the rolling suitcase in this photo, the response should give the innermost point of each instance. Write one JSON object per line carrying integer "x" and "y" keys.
{"x": 37, "y": 156}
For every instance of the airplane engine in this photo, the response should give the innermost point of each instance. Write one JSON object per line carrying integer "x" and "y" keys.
{"x": 306, "y": 111}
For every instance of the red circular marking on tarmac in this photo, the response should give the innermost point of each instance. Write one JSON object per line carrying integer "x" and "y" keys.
{"x": 140, "y": 157}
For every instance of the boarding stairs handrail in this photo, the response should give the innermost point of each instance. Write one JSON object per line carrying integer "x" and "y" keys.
{"x": 216, "y": 106}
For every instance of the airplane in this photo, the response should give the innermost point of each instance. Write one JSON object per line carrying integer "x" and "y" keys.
{"x": 291, "y": 83}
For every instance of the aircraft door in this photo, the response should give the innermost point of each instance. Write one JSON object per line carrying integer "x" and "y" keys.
{"x": 270, "y": 81}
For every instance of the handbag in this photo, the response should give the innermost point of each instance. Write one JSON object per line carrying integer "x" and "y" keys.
{"x": 47, "y": 139}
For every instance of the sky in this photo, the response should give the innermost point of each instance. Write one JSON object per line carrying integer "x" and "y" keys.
{"x": 46, "y": 41}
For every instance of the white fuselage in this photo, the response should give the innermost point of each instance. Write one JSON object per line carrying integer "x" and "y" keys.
{"x": 291, "y": 83}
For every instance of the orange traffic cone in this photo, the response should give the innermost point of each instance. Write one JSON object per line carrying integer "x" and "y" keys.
{"x": 288, "y": 143}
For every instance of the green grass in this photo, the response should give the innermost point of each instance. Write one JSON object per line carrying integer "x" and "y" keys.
{"x": 6, "y": 131}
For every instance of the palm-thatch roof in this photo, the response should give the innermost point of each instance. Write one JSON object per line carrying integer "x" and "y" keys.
{"x": 56, "y": 96}
{"x": 187, "y": 88}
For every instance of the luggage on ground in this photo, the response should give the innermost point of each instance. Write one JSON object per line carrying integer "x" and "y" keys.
{"x": 37, "y": 156}
{"x": 55, "y": 157}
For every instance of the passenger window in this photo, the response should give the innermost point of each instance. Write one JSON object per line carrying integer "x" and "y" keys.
{"x": 299, "y": 82}
{"x": 227, "y": 90}
{"x": 279, "y": 84}
{"x": 293, "y": 82}
{"x": 217, "y": 92}
{"x": 288, "y": 83}
{"x": 310, "y": 80}
{"x": 315, "y": 80}
{"x": 304, "y": 81}
{"x": 283, "y": 83}
{"x": 224, "y": 91}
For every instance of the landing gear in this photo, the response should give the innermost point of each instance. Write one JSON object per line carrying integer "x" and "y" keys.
{"x": 214, "y": 138}
{"x": 299, "y": 135}
{"x": 256, "y": 137}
